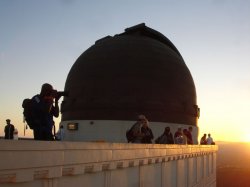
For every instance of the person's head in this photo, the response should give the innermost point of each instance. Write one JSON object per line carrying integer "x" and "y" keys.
{"x": 47, "y": 90}
{"x": 190, "y": 129}
{"x": 185, "y": 131}
{"x": 205, "y": 135}
{"x": 61, "y": 127}
{"x": 141, "y": 117}
{"x": 209, "y": 135}
{"x": 145, "y": 123}
{"x": 167, "y": 130}
{"x": 8, "y": 121}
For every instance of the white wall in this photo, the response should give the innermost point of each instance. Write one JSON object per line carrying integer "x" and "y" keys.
{"x": 115, "y": 131}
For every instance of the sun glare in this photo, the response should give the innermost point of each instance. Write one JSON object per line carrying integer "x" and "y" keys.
{"x": 246, "y": 138}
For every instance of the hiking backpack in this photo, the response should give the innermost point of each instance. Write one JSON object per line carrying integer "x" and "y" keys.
{"x": 27, "y": 112}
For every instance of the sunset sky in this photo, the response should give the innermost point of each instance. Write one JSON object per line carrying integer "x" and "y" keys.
{"x": 40, "y": 41}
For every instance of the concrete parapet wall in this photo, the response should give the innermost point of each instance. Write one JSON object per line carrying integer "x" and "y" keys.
{"x": 52, "y": 164}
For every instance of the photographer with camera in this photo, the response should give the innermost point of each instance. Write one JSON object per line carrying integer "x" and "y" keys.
{"x": 44, "y": 108}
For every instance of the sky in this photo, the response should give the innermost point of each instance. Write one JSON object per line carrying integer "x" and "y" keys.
{"x": 41, "y": 40}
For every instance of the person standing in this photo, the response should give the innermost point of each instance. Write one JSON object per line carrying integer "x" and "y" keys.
{"x": 147, "y": 133}
{"x": 189, "y": 136}
{"x": 44, "y": 108}
{"x": 136, "y": 129}
{"x": 9, "y": 130}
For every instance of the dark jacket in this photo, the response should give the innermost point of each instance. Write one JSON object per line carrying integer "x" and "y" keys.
{"x": 9, "y": 131}
{"x": 165, "y": 139}
{"x": 148, "y": 135}
{"x": 44, "y": 111}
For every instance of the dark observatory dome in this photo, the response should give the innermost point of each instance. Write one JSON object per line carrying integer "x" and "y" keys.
{"x": 136, "y": 72}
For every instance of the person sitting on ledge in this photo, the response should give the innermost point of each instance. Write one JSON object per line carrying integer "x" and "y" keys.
{"x": 210, "y": 140}
{"x": 203, "y": 140}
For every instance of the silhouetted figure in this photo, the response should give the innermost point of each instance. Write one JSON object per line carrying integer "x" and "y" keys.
{"x": 166, "y": 137}
{"x": 185, "y": 131}
{"x": 210, "y": 140}
{"x": 189, "y": 136}
{"x": 147, "y": 132}
{"x": 203, "y": 140}
{"x": 9, "y": 130}
{"x": 45, "y": 107}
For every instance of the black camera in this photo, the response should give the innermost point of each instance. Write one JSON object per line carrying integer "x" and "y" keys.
{"x": 60, "y": 94}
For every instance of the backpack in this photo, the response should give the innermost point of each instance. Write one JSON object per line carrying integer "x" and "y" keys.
{"x": 27, "y": 112}
{"x": 130, "y": 133}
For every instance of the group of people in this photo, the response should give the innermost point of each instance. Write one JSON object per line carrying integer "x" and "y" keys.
{"x": 207, "y": 140}
{"x": 142, "y": 133}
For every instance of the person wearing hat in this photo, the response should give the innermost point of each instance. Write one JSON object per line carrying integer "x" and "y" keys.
{"x": 9, "y": 130}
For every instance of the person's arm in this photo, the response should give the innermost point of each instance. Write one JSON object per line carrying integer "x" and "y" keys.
{"x": 171, "y": 138}
{"x": 175, "y": 134}
{"x": 137, "y": 130}
{"x": 137, "y": 133}
{"x": 55, "y": 111}
{"x": 151, "y": 134}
